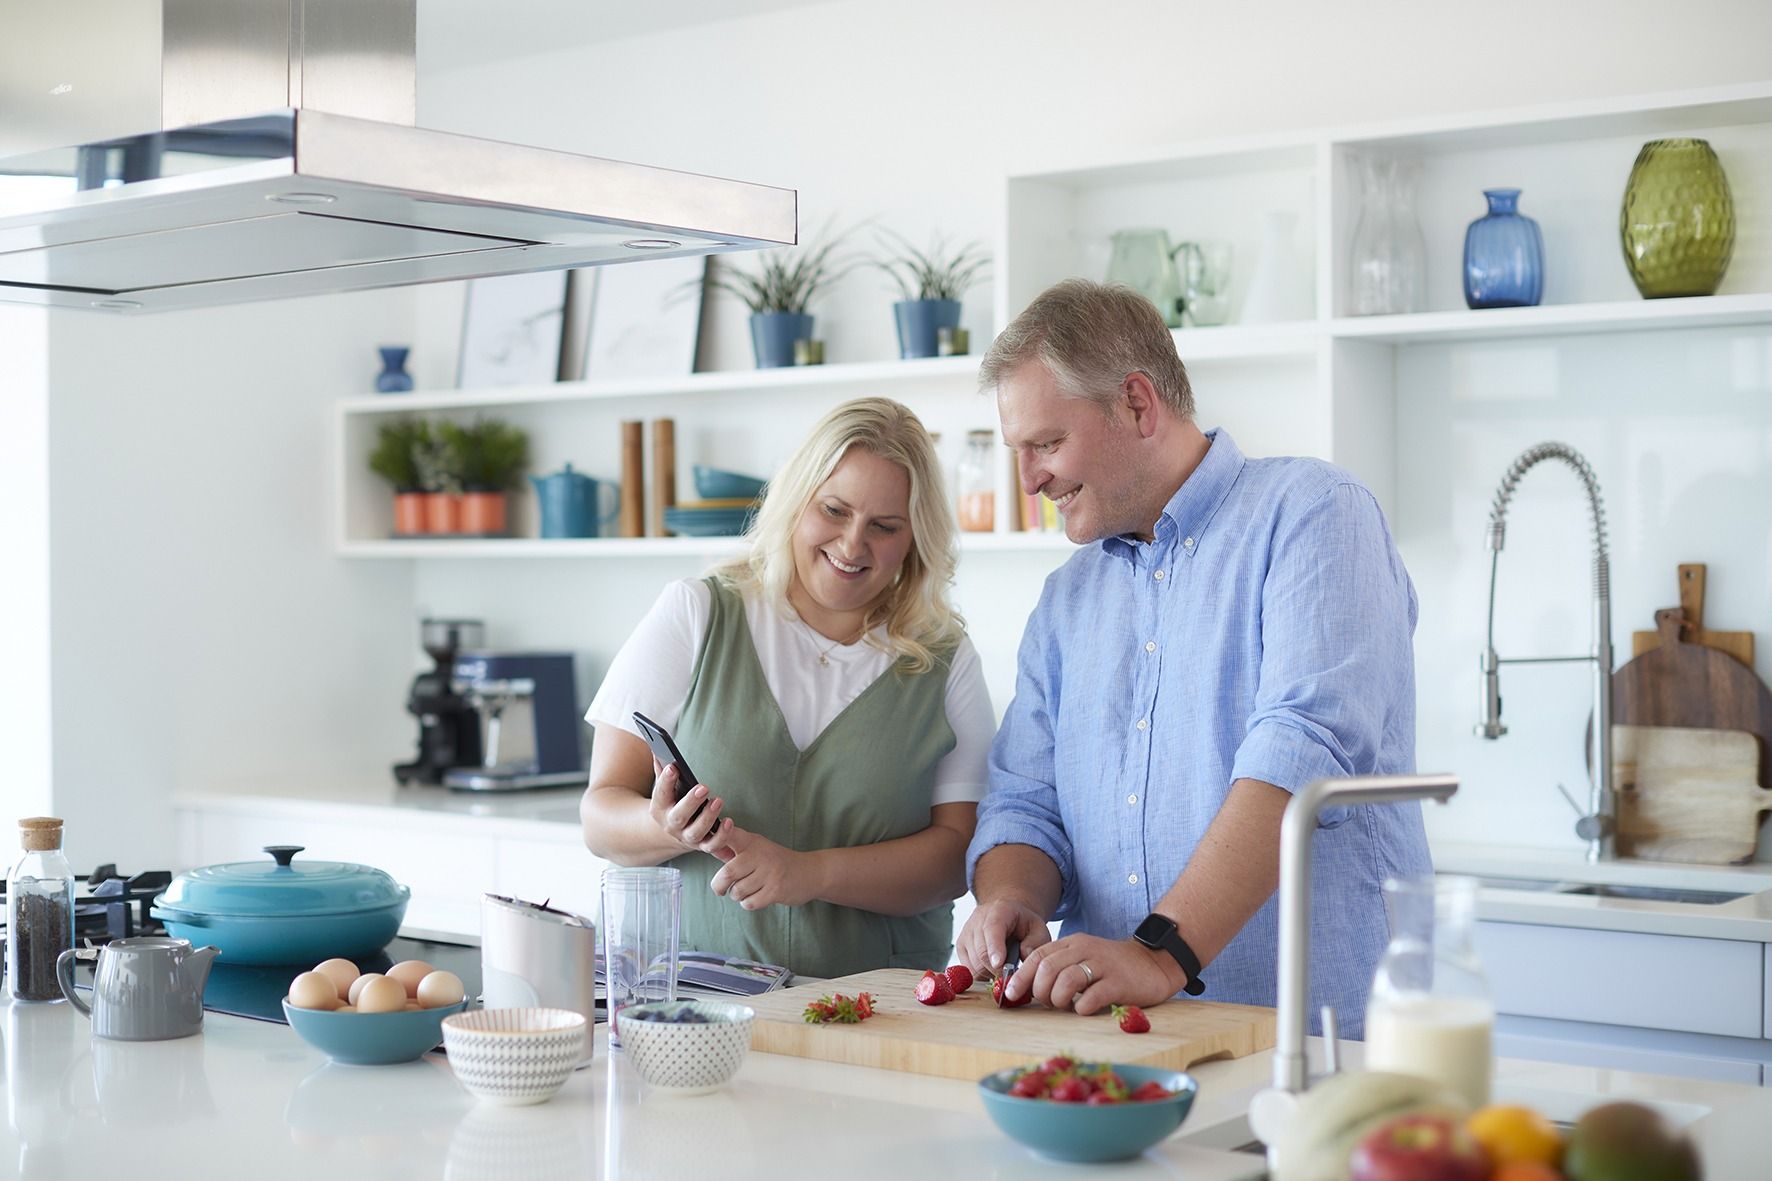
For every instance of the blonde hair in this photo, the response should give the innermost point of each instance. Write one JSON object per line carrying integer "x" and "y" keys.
{"x": 1091, "y": 336}
{"x": 919, "y": 620}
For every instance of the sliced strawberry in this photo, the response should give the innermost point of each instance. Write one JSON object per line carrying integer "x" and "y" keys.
{"x": 864, "y": 1005}
{"x": 934, "y": 989}
{"x": 1132, "y": 1019}
{"x": 1003, "y": 1002}
{"x": 959, "y": 978}
{"x": 1146, "y": 1092}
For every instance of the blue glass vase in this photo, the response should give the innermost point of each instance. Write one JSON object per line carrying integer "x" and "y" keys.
{"x": 393, "y": 378}
{"x": 1503, "y": 256}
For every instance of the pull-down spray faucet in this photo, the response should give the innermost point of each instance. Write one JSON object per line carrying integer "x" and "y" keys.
{"x": 1599, "y": 823}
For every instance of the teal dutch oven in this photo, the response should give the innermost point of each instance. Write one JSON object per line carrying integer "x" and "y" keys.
{"x": 279, "y": 912}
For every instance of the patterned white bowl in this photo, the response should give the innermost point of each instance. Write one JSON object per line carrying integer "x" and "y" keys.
{"x": 681, "y": 1056}
{"x": 514, "y": 1056}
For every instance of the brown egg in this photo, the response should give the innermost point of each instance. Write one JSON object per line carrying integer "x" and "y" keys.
{"x": 409, "y": 973}
{"x": 381, "y": 995}
{"x": 440, "y": 988}
{"x": 341, "y": 973}
{"x": 311, "y": 990}
{"x": 360, "y": 983}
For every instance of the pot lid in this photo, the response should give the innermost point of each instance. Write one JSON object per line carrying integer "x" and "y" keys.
{"x": 282, "y": 887}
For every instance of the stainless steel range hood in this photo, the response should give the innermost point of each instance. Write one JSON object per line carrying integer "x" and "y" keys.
{"x": 232, "y": 200}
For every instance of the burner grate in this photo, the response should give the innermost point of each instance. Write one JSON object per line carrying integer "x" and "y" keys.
{"x": 109, "y": 906}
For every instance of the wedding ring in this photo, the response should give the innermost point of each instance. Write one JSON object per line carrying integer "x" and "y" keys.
{"x": 1087, "y": 974}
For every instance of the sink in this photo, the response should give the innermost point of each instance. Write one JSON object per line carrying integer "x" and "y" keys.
{"x": 1655, "y": 894}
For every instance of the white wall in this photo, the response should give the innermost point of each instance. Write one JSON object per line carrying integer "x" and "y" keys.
{"x": 24, "y": 566}
{"x": 913, "y": 113}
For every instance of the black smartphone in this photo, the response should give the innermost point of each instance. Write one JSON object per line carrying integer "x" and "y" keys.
{"x": 666, "y": 752}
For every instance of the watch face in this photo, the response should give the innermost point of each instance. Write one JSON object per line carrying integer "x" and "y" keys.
{"x": 1151, "y": 931}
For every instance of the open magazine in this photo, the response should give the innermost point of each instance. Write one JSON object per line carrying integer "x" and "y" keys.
{"x": 705, "y": 974}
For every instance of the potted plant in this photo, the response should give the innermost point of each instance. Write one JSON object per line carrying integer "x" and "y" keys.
{"x": 395, "y": 459}
{"x": 932, "y": 283}
{"x": 778, "y": 294}
{"x": 486, "y": 457}
{"x": 441, "y": 482}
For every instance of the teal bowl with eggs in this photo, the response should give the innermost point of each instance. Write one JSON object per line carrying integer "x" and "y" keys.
{"x": 1079, "y": 1132}
{"x": 371, "y": 1039}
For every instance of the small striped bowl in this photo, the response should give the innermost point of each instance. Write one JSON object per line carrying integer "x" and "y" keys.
{"x": 514, "y": 1056}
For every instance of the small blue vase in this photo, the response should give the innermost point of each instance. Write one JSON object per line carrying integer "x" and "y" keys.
{"x": 918, "y": 321}
{"x": 1503, "y": 256}
{"x": 773, "y": 335}
{"x": 393, "y": 378}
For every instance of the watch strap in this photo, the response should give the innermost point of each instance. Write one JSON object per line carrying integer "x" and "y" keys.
{"x": 1162, "y": 935}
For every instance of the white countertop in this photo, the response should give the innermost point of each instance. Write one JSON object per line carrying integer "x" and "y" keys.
{"x": 249, "y": 1098}
{"x": 546, "y": 813}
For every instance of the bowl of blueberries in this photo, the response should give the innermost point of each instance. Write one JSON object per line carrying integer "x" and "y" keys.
{"x": 685, "y": 1046}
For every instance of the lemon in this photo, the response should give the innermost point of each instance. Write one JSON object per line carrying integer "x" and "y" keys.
{"x": 1512, "y": 1134}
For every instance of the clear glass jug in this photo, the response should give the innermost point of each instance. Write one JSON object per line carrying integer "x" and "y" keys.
{"x": 1144, "y": 260}
{"x": 1430, "y": 1013}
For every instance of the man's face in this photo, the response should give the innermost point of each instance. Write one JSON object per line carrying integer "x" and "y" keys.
{"x": 1073, "y": 453}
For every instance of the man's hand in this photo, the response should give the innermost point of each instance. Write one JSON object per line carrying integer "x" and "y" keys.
{"x": 762, "y": 873}
{"x": 1118, "y": 972}
{"x": 989, "y": 929}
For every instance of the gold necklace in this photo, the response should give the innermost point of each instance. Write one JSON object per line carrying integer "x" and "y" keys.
{"x": 824, "y": 657}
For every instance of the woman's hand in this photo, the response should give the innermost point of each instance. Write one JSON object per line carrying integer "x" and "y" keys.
{"x": 762, "y": 873}
{"x": 706, "y": 833}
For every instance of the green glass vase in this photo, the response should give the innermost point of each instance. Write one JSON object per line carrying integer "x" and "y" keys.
{"x": 1678, "y": 221}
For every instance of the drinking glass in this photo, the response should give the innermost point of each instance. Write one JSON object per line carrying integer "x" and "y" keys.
{"x": 641, "y": 911}
{"x": 1207, "y": 283}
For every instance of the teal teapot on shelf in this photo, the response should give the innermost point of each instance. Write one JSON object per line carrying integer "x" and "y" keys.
{"x": 575, "y": 505}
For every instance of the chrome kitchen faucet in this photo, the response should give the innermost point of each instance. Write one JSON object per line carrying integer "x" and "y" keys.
{"x": 1598, "y": 824}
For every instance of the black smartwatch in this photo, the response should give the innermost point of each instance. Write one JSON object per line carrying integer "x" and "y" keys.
{"x": 1158, "y": 933}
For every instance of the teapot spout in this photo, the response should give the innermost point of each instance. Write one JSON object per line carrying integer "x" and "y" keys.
{"x": 194, "y": 972}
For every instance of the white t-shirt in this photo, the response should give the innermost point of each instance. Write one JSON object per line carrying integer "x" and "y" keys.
{"x": 652, "y": 671}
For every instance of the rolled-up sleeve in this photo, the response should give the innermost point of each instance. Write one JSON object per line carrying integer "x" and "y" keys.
{"x": 1337, "y": 621}
{"x": 1021, "y": 807}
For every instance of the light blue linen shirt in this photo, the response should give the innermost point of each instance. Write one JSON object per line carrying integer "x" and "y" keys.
{"x": 1265, "y": 633}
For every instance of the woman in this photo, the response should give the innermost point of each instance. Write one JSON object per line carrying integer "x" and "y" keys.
{"x": 824, "y": 689}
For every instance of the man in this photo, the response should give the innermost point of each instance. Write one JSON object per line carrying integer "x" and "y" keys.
{"x": 1237, "y": 629}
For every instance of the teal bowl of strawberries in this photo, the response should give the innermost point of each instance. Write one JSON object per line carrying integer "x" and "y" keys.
{"x": 1087, "y": 1111}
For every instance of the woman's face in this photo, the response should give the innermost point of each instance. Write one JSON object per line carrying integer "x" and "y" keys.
{"x": 852, "y": 539}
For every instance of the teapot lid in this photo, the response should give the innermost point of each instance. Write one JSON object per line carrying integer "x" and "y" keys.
{"x": 281, "y": 887}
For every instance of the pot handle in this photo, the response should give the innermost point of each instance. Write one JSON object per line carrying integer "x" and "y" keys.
{"x": 179, "y": 916}
{"x": 284, "y": 853}
{"x": 64, "y": 975}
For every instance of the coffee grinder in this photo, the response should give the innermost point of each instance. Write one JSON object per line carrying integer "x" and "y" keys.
{"x": 448, "y": 723}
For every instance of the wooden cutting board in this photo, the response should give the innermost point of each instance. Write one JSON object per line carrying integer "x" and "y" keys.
{"x": 1681, "y": 684}
{"x": 1740, "y": 645}
{"x": 969, "y": 1037}
{"x": 1688, "y": 794}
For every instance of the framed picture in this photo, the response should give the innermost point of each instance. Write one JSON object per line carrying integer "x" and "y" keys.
{"x": 511, "y": 330}
{"x": 645, "y": 319}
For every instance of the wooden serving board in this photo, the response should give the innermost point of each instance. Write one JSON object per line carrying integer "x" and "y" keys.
{"x": 1740, "y": 645}
{"x": 969, "y": 1037}
{"x": 1688, "y": 794}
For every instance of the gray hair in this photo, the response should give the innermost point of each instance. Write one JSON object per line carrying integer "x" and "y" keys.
{"x": 1091, "y": 336}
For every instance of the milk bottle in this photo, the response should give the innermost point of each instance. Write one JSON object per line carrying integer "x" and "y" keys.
{"x": 1430, "y": 1013}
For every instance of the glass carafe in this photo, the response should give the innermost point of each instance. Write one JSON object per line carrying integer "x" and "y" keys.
{"x": 39, "y": 911}
{"x": 1144, "y": 260}
{"x": 978, "y": 483}
{"x": 1430, "y": 1013}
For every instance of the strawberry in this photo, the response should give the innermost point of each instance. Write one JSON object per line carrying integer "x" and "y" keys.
{"x": 1057, "y": 1063}
{"x": 864, "y": 1005}
{"x": 934, "y": 989}
{"x": 1003, "y": 1002}
{"x": 1146, "y": 1092}
{"x": 959, "y": 978}
{"x": 1070, "y": 1089}
{"x": 1132, "y": 1019}
{"x": 839, "y": 1009}
{"x": 1100, "y": 1099}
{"x": 1031, "y": 1085}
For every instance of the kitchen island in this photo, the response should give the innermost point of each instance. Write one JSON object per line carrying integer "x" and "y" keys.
{"x": 250, "y": 1099}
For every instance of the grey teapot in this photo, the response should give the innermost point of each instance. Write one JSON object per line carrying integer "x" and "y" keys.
{"x": 144, "y": 989}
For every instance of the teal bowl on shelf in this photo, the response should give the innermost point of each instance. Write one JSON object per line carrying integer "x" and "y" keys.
{"x": 712, "y": 483}
{"x": 371, "y": 1039}
{"x": 1079, "y": 1132}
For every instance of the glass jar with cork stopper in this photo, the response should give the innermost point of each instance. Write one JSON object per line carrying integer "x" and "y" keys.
{"x": 39, "y": 911}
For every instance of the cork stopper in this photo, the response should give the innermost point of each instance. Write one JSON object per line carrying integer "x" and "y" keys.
{"x": 40, "y": 834}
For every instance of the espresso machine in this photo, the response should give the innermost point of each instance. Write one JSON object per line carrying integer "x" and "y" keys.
{"x": 448, "y": 724}
{"x": 526, "y": 706}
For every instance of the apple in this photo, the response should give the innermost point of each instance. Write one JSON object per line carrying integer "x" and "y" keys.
{"x": 1419, "y": 1147}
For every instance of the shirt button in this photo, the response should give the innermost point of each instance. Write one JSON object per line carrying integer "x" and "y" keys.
{"x": 1158, "y": 576}
{"x": 1143, "y": 725}
{"x": 1132, "y": 878}
{"x": 1150, "y": 645}
{"x": 1132, "y": 799}
{"x": 1188, "y": 544}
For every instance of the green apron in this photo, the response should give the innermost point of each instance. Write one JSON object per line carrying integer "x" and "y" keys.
{"x": 868, "y": 777}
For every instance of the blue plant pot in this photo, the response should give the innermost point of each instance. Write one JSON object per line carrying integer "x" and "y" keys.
{"x": 393, "y": 378}
{"x": 773, "y": 335}
{"x": 1503, "y": 256}
{"x": 918, "y": 321}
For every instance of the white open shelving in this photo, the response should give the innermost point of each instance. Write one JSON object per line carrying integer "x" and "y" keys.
{"x": 1324, "y": 385}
